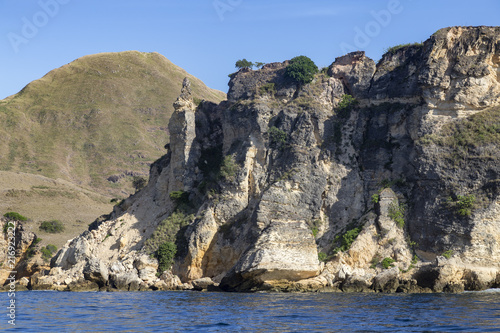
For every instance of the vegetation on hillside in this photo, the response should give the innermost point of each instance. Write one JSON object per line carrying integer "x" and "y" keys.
{"x": 165, "y": 255}
{"x": 346, "y": 105}
{"x": 301, "y": 70}
{"x": 98, "y": 117}
{"x": 475, "y": 131}
{"x": 52, "y": 227}
{"x": 14, "y": 216}
{"x": 228, "y": 168}
{"x": 48, "y": 251}
{"x": 462, "y": 204}
{"x": 166, "y": 231}
{"x": 345, "y": 240}
{"x": 277, "y": 137}
{"x": 465, "y": 138}
{"x": 243, "y": 63}
{"x": 395, "y": 48}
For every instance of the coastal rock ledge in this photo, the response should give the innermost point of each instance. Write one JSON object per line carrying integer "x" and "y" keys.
{"x": 374, "y": 177}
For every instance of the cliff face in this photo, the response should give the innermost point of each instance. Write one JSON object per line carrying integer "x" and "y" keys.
{"x": 278, "y": 175}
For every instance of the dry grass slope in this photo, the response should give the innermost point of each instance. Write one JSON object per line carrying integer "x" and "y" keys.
{"x": 44, "y": 199}
{"x": 100, "y": 115}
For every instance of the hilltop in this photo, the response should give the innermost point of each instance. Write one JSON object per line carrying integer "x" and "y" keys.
{"x": 97, "y": 121}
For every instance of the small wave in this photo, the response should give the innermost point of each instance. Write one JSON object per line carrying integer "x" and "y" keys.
{"x": 487, "y": 291}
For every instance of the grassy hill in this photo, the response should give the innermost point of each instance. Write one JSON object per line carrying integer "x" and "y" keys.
{"x": 100, "y": 116}
{"x": 44, "y": 199}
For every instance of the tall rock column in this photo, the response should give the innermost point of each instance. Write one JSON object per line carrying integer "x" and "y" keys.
{"x": 182, "y": 134}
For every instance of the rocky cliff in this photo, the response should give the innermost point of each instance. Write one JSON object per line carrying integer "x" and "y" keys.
{"x": 374, "y": 176}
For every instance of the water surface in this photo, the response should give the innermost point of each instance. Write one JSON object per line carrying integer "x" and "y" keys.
{"x": 47, "y": 311}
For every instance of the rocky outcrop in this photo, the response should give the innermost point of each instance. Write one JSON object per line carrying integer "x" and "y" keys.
{"x": 26, "y": 260}
{"x": 295, "y": 188}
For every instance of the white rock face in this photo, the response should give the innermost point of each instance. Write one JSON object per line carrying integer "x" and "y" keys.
{"x": 278, "y": 173}
{"x": 286, "y": 250}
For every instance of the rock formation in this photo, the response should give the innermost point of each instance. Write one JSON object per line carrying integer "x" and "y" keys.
{"x": 301, "y": 187}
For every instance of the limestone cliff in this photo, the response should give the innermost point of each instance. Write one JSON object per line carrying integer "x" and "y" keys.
{"x": 257, "y": 190}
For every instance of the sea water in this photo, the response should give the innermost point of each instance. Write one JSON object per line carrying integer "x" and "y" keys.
{"x": 47, "y": 311}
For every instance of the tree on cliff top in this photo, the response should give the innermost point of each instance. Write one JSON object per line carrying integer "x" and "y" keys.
{"x": 244, "y": 64}
{"x": 301, "y": 70}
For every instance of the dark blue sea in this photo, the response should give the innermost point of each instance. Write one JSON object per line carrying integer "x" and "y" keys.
{"x": 45, "y": 311}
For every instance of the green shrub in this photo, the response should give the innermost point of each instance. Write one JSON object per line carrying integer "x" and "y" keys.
{"x": 395, "y": 48}
{"x": 387, "y": 262}
{"x": 268, "y": 88}
{"x": 52, "y": 227}
{"x": 322, "y": 256}
{"x": 6, "y": 227}
{"x": 346, "y": 239}
{"x": 13, "y": 216}
{"x": 228, "y": 168}
{"x": 166, "y": 231}
{"x": 179, "y": 197}
{"x": 165, "y": 255}
{"x": 448, "y": 254}
{"x": 139, "y": 183}
{"x": 301, "y": 70}
{"x": 375, "y": 261}
{"x": 375, "y": 198}
{"x": 463, "y": 204}
{"x": 397, "y": 213}
{"x": 48, "y": 251}
{"x": 277, "y": 137}
{"x": 30, "y": 252}
{"x": 314, "y": 225}
{"x": 346, "y": 105}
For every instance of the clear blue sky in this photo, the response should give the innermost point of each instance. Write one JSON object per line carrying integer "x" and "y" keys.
{"x": 206, "y": 37}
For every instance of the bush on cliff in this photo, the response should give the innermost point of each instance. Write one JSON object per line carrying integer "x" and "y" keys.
{"x": 396, "y": 48}
{"x": 13, "y": 216}
{"x": 278, "y": 138}
{"x": 181, "y": 199}
{"x": 463, "y": 136}
{"x": 346, "y": 239}
{"x": 387, "y": 262}
{"x": 463, "y": 204}
{"x": 139, "y": 183}
{"x": 301, "y": 70}
{"x": 243, "y": 63}
{"x": 165, "y": 255}
{"x": 166, "y": 231}
{"x": 397, "y": 213}
{"x": 48, "y": 251}
{"x": 229, "y": 168}
{"x": 346, "y": 105}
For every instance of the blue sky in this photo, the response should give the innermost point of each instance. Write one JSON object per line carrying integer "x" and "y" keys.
{"x": 206, "y": 37}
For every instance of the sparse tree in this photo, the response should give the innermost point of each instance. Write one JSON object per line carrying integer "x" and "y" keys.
{"x": 138, "y": 183}
{"x": 244, "y": 64}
